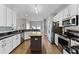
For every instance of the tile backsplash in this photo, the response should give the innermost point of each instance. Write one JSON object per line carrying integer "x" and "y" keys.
{"x": 5, "y": 28}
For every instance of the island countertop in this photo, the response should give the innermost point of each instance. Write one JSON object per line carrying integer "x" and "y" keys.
{"x": 36, "y": 34}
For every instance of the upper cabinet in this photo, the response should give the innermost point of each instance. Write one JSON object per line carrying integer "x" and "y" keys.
{"x": 3, "y": 15}
{"x": 73, "y": 9}
{"x": 9, "y": 17}
{"x": 60, "y": 18}
{"x": 14, "y": 20}
{"x": 66, "y": 13}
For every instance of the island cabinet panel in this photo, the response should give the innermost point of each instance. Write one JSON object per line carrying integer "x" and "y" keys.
{"x": 36, "y": 44}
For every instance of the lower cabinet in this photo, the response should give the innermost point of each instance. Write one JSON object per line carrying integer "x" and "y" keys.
{"x": 27, "y": 35}
{"x": 2, "y": 46}
{"x": 56, "y": 39}
{"x": 16, "y": 40}
{"x": 8, "y": 44}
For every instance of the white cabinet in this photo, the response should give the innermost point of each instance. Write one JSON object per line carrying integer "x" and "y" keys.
{"x": 16, "y": 40}
{"x": 73, "y": 9}
{"x": 2, "y": 48}
{"x": 60, "y": 18}
{"x": 66, "y": 13}
{"x": 14, "y": 20}
{"x": 6, "y": 45}
{"x": 56, "y": 39}
{"x": 9, "y": 17}
{"x": 27, "y": 35}
{"x": 3, "y": 15}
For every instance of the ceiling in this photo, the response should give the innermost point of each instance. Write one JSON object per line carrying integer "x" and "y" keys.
{"x": 27, "y": 11}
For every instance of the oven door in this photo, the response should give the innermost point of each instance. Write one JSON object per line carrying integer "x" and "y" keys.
{"x": 62, "y": 43}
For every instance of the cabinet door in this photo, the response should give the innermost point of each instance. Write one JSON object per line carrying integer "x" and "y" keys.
{"x": 2, "y": 47}
{"x": 56, "y": 39}
{"x": 14, "y": 42}
{"x": 3, "y": 15}
{"x": 8, "y": 45}
{"x": 73, "y": 9}
{"x": 14, "y": 20}
{"x": 60, "y": 15}
{"x": 66, "y": 13}
{"x": 18, "y": 39}
{"x": 9, "y": 17}
{"x": 26, "y": 35}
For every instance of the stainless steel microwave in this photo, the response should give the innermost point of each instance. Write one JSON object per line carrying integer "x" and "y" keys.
{"x": 74, "y": 20}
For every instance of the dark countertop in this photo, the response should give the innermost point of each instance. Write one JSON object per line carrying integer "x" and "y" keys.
{"x": 14, "y": 32}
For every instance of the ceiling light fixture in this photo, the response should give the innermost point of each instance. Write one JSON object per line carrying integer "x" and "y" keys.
{"x": 36, "y": 8}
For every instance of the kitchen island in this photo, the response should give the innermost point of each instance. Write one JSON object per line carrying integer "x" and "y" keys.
{"x": 36, "y": 43}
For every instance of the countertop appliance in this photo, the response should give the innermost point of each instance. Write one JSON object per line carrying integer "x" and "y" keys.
{"x": 73, "y": 36}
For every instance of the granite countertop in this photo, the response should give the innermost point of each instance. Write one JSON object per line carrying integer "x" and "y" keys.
{"x": 36, "y": 34}
{"x": 7, "y": 34}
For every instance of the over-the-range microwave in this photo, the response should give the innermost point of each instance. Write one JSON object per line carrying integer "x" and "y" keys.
{"x": 74, "y": 20}
{"x": 71, "y": 21}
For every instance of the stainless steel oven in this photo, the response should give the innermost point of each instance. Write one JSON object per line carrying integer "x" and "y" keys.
{"x": 62, "y": 43}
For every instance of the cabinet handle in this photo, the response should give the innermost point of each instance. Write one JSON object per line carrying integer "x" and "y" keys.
{"x": 36, "y": 39}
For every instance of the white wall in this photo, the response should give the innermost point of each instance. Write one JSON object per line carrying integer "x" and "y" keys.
{"x": 21, "y": 23}
{"x": 27, "y": 24}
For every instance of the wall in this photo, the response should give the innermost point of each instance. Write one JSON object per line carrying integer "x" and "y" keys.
{"x": 27, "y": 24}
{"x": 36, "y": 23}
{"x": 21, "y": 23}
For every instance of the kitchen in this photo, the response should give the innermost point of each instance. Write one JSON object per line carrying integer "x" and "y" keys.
{"x": 21, "y": 23}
